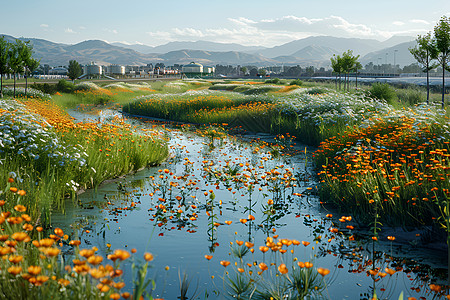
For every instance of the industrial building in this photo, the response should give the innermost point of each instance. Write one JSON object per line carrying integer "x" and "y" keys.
{"x": 197, "y": 70}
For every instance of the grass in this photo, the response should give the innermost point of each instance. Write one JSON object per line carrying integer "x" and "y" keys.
{"x": 54, "y": 157}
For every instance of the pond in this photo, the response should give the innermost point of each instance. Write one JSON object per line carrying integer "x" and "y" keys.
{"x": 218, "y": 191}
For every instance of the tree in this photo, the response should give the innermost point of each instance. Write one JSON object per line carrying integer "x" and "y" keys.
{"x": 357, "y": 66}
{"x": 15, "y": 60}
{"x": 30, "y": 64}
{"x": 337, "y": 65}
{"x": 244, "y": 70}
{"x": 442, "y": 40}
{"x": 262, "y": 72}
{"x": 74, "y": 70}
{"x": 4, "y": 49}
{"x": 424, "y": 52}
{"x": 348, "y": 64}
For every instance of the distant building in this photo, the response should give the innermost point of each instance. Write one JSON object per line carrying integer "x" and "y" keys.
{"x": 115, "y": 70}
{"x": 58, "y": 71}
{"x": 93, "y": 70}
{"x": 197, "y": 70}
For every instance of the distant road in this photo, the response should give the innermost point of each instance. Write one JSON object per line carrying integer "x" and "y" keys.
{"x": 140, "y": 79}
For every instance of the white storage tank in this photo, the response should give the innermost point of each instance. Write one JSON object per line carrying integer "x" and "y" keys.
{"x": 116, "y": 70}
{"x": 93, "y": 69}
{"x": 193, "y": 68}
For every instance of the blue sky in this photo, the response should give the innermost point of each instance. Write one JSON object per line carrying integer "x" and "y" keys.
{"x": 248, "y": 22}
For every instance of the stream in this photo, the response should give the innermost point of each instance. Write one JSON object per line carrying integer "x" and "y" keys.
{"x": 214, "y": 189}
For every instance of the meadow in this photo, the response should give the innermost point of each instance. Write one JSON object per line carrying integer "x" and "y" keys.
{"x": 376, "y": 162}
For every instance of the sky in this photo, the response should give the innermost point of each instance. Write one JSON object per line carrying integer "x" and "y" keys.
{"x": 247, "y": 22}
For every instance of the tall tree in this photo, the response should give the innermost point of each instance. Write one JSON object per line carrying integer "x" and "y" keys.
{"x": 30, "y": 64}
{"x": 4, "y": 48}
{"x": 74, "y": 70}
{"x": 336, "y": 65}
{"x": 424, "y": 52}
{"x": 348, "y": 65}
{"x": 15, "y": 62}
{"x": 442, "y": 40}
{"x": 357, "y": 66}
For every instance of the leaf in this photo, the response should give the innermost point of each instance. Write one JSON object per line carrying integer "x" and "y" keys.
{"x": 401, "y": 296}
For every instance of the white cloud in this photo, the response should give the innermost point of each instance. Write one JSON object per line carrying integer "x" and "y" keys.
{"x": 82, "y": 27}
{"x": 69, "y": 30}
{"x": 44, "y": 25}
{"x": 416, "y": 21}
{"x": 114, "y": 31}
{"x": 398, "y": 23}
{"x": 270, "y": 32}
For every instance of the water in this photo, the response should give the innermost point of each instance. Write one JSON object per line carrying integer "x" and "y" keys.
{"x": 124, "y": 214}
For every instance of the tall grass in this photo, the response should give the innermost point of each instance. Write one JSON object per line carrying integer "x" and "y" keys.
{"x": 55, "y": 157}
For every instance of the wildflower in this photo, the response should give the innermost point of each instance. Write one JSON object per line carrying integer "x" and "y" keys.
{"x": 14, "y": 270}
{"x": 208, "y": 257}
{"x": 148, "y": 256}
{"x": 323, "y": 271}
{"x": 224, "y": 263}
{"x": 282, "y": 269}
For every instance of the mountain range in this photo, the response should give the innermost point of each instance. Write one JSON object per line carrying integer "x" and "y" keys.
{"x": 309, "y": 51}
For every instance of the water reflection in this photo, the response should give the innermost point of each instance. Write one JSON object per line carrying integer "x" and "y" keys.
{"x": 215, "y": 190}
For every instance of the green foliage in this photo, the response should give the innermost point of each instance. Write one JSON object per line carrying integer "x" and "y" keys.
{"x": 45, "y": 88}
{"x": 261, "y": 90}
{"x": 316, "y": 91}
{"x": 296, "y": 82}
{"x": 382, "y": 91}
{"x": 274, "y": 80}
{"x": 410, "y": 96}
{"x": 64, "y": 86}
{"x": 74, "y": 70}
{"x": 442, "y": 40}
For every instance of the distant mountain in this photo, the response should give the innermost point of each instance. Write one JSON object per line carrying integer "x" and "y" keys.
{"x": 213, "y": 57}
{"x": 339, "y": 45}
{"x": 314, "y": 51}
{"x": 402, "y": 56}
{"x": 206, "y": 46}
{"x": 136, "y": 47}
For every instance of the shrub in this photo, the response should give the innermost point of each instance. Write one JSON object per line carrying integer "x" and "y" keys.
{"x": 44, "y": 87}
{"x": 316, "y": 91}
{"x": 261, "y": 90}
{"x": 274, "y": 80}
{"x": 241, "y": 89}
{"x": 410, "y": 95}
{"x": 64, "y": 86}
{"x": 382, "y": 91}
{"x": 296, "y": 82}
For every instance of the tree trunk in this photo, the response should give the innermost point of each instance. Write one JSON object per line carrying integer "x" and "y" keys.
{"x": 356, "y": 79}
{"x": 428, "y": 86}
{"x": 26, "y": 85}
{"x": 14, "y": 93}
{"x": 335, "y": 81}
{"x": 443, "y": 81}
{"x": 339, "y": 81}
{"x": 1, "y": 85}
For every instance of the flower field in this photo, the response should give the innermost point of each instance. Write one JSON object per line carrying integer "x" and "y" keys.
{"x": 260, "y": 212}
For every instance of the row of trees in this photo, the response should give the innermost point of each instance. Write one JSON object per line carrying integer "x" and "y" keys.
{"x": 16, "y": 58}
{"x": 433, "y": 50}
{"x": 344, "y": 65}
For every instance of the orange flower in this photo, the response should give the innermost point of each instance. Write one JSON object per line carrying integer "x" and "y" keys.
{"x": 308, "y": 265}
{"x": 14, "y": 270}
{"x": 224, "y": 263}
{"x": 390, "y": 271}
{"x": 239, "y": 242}
{"x": 228, "y": 222}
{"x": 282, "y": 269}
{"x": 263, "y": 266}
{"x": 323, "y": 271}
{"x": 208, "y": 257}
{"x": 264, "y": 249}
{"x": 249, "y": 245}
{"x": 391, "y": 238}
{"x": 59, "y": 231}
{"x": 305, "y": 243}
{"x": 34, "y": 270}
{"x": 21, "y": 236}
{"x": 148, "y": 256}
